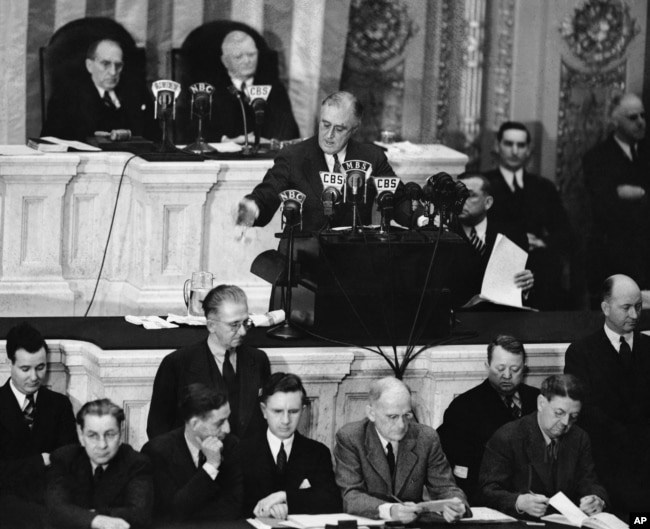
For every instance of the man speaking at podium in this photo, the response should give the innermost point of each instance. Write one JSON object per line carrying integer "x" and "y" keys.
{"x": 298, "y": 166}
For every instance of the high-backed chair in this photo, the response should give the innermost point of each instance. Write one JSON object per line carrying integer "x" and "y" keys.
{"x": 62, "y": 61}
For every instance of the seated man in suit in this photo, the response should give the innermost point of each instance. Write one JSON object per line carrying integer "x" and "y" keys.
{"x": 529, "y": 460}
{"x": 614, "y": 364}
{"x": 284, "y": 472}
{"x": 532, "y": 203}
{"x": 103, "y": 483}
{"x": 384, "y": 462}
{"x": 473, "y": 416}
{"x": 239, "y": 57}
{"x": 298, "y": 167}
{"x": 34, "y": 422}
{"x": 221, "y": 362}
{"x": 481, "y": 232}
{"x": 100, "y": 102}
{"x": 197, "y": 467}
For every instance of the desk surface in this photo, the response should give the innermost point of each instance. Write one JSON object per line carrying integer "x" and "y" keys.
{"x": 112, "y": 333}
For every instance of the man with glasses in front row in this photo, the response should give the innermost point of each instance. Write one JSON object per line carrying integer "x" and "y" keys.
{"x": 221, "y": 362}
{"x": 102, "y": 484}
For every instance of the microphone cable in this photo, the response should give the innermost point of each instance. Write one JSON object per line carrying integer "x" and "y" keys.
{"x": 110, "y": 231}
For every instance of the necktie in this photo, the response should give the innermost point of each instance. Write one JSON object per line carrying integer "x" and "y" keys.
{"x": 551, "y": 458}
{"x": 515, "y": 185}
{"x": 337, "y": 164}
{"x": 625, "y": 353}
{"x": 202, "y": 459}
{"x": 390, "y": 456}
{"x": 633, "y": 152}
{"x": 514, "y": 408}
{"x": 97, "y": 475}
{"x": 228, "y": 372}
{"x": 28, "y": 412}
{"x": 281, "y": 461}
{"x": 108, "y": 101}
{"x": 476, "y": 242}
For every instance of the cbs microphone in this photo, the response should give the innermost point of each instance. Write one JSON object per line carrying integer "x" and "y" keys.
{"x": 386, "y": 187}
{"x": 331, "y": 196}
{"x": 292, "y": 201}
{"x": 257, "y": 95}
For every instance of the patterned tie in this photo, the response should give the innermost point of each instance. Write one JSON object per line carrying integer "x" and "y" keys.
{"x": 108, "y": 101}
{"x": 202, "y": 459}
{"x": 514, "y": 408}
{"x": 390, "y": 456}
{"x": 281, "y": 461}
{"x": 476, "y": 242}
{"x": 28, "y": 412}
{"x": 337, "y": 164}
{"x": 626, "y": 353}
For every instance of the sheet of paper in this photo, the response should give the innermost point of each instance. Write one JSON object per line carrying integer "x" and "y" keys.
{"x": 505, "y": 261}
{"x": 485, "y": 514}
{"x": 569, "y": 509}
{"x": 70, "y": 143}
{"x": 304, "y": 521}
{"x": 17, "y": 150}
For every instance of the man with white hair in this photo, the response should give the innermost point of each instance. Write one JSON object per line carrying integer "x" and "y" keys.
{"x": 239, "y": 58}
{"x": 616, "y": 176}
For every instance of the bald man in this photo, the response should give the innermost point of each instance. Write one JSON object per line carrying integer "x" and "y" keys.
{"x": 614, "y": 365}
{"x": 384, "y": 461}
{"x": 238, "y": 68}
{"x": 617, "y": 176}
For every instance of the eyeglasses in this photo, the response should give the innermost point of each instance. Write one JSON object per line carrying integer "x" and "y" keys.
{"x": 235, "y": 325}
{"x": 636, "y": 117}
{"x": 106, "y": 65}
{"x": 109, "y": 436}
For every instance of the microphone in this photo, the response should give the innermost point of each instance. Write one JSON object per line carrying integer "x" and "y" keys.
{"x": 166, "y": 93}
{"x": 354, "y": 181}
{"x": 331, "y": 198}
{"x": 259, "y": 106}
{"x": 201, "y": 107}
{"x": 292, "y": 201}
{"x": 386, "y": 187}
{"x": 246, "y": 149}
{"x": 257, "y": 95}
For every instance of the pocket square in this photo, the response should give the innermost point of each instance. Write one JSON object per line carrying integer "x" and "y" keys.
{"x": 305, "y": 484}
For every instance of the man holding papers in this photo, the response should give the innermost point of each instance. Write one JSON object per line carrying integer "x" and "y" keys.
{"x": 384, "y": 462}
{"x": 481, "y": 233}
{"x": 527, "y": 461}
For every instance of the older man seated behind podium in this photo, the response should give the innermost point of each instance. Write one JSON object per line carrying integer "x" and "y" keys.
{"x": 384, "y": 462}
{"x": 285, "y": 472}
{"x": 529, "y": 460}
{"x": 102, "y": 484}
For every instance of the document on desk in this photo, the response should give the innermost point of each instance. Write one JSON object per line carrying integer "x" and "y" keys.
{"x": 498, "y": 285}
{"x": 487, "y": 515}
{"x": 570, "y": 514}
{"x": 319, "y": 521}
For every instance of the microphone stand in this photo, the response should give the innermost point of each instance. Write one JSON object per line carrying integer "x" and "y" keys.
{"x": 246, "y": 149}
{"x": 286, "y": 330}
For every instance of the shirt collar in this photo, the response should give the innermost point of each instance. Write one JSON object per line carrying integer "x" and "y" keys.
{"x": 241, "y": 84}
{"x": 21, "y": 398}
{"x": 480, "y": 228}
{"x": 111, "y": 93}
{"x": 274, "y": 443}
{"x": 509, "y": 177}
{"x": 329, "y": 158}
{"x": 385, "y": 441}
{"x": 615, "y": 338}
{"x": 194, "y": 450}
{"x": 627, "y": 148}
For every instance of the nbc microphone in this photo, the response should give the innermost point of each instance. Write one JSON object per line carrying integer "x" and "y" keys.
{"x": 292, "y": 201}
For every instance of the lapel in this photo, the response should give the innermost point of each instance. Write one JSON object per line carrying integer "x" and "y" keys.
{"x": 535, "y": 448}
{"x": 297, "y": 465}
{"x": 406, "y": 460}
{"x": 181, "y": 459}
{"x": 203, "y": 367}
{"x": 376, "y": 455}
{"x": 566, "y": 458}
{"x": 312, "y": 164}
{"x": 247, "y": 386}
{"x": 11, "y": 416}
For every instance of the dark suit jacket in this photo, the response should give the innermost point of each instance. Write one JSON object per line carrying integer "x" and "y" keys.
{"x": 195, "y": 363}
{"x": 185, "y": 492}
{"x": 298, "y": 167}
{"x": 226, "y": 118}
{"x": 618, "y": 240}
{"x": 514, "y": 464}
{"x": 309, "y": 460}
{"x": 541, "y": 213}
{"x": 77, "y": 112}
{"x": 473, "y": 269}
{"x": 470, "y": 421}
{"x": 124, "y": 491}
{"x": 364, "y": 478}
{"x": 22, "y": 471}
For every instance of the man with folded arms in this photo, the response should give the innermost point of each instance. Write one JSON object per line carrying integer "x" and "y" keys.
{"x": 197, "y": 467}
{"x": 102, "y": 484}
{"x": 529, "y": 460}
{"x": 384, "y": 461}
{"x": 285, "y": 472}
